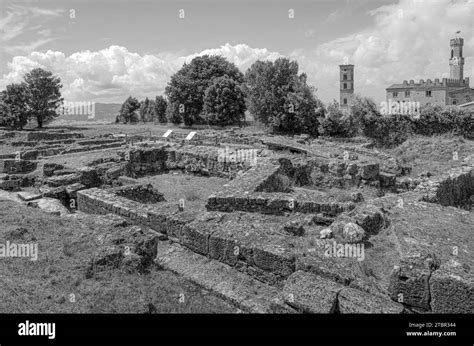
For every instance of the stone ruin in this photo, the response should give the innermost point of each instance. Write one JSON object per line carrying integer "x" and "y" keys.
{"x": 287, "y": 228}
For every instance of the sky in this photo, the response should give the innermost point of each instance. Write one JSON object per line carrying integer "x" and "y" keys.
{"x": 106, "y": 50}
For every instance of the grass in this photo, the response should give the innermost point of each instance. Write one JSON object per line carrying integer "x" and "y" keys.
{"x": 65, "y": 249}
{"x": 433, "y": 154}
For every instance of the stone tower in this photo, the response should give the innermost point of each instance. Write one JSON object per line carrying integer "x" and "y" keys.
{"x": 346, "y": 83}
{"x": 456, "y": 61}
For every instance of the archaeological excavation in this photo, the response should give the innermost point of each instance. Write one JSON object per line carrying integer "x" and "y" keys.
{"x": 311, "y": 226}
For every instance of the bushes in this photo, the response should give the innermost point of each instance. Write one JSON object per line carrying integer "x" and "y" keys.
{"x": 437, "y": 120}
{"x": 336, "y": 123}
{"x": 393, "y": 129}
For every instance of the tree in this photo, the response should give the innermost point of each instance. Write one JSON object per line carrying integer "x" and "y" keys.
{"x": 13, "y": 109}
{"x": 43, "y": 95}
{"x": 172, "y": 113}
{"x": 128, "y": 111}
{"x": 186, "y": 88}
{"x": 224, "y": 102}
{"x": 267, "y": 84}
{"x": 150, "y": 111}
{"x": 280, "y": 98}
{"x": 160, "y": 109}
{"x": 144, "y": 109}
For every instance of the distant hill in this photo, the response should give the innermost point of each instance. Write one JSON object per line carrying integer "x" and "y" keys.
{"x": 103, "y": 112}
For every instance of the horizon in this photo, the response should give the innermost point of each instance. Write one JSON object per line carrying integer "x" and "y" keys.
{"x": 106, "y": 61}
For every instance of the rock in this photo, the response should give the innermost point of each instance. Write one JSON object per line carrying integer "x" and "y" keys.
{"x": 50, "y": 205}
{"x": 409, "y": 282}
{"x": 452, "y": 289}
{"x": 357, "y": 197}
{"x": 49, "y": 168}
{"x": 353, "y": 233}
{"x": 387, "y": 179}
{"x": 310, "y": 293}
{"x": 326, "y": 233}
{"x": 353, "y": 301}
{"x": 370, "y": 218}
{"x": 294, "y": 228}
{"x": 337, "y": 168}
{"x": 28, "y": 196}
{"x": 352, "y": 169}
{"x": 369, "y": 171}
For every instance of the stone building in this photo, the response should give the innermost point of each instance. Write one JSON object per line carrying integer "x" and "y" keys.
{"x": 448, "y": 91}
{"x": 346, "y": 83}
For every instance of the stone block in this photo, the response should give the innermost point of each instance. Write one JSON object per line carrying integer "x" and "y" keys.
{"x": 452, "y": 289}
{"x": 310, "y": 293}
{"x": 353, "y": 301}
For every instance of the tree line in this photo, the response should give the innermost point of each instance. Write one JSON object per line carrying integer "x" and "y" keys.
{"x": 211, "y": 90}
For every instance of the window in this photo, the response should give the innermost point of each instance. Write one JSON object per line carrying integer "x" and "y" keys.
{"x": 345, "y": 85}
{"x": 345, "y": 101}
{"x": 344, "y": 77}
{"x": 428, "y": 93}
{"x": 454, "y": 102}
{"x": 452, "y": 53}
{"x": 395, "y": 93}
{"x": 407, "y": 93}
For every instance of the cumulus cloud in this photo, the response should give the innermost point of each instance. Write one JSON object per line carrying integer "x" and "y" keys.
{"x": 111, "y": 74}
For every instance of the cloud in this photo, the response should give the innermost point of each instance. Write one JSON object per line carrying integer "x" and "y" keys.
{"x": 19, "y": 22}
{"x": 395, "y": 47}
{"x": 114, "y": 73}
{"x": 409, "y": 40}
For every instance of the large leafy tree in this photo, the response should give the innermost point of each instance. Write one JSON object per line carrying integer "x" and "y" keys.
{"x": 280, "y": 98}
{"x": 43, "y": 95}
{"x": 224, "y": 102}
{"x": 160, "y": 109}
{"x": 128, "y": 110}
{"x": 186, "y": 89}
{"x": 13, "y": 109}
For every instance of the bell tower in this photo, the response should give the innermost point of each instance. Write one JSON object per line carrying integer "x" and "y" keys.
{"x": 456, "y": 61}
{"x": 346, "y": 83}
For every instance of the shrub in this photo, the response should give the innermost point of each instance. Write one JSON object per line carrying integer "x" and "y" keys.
{"x": 336, "y": 123}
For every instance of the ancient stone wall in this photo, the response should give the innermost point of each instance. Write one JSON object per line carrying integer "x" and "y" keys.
{"x": 453, "y": 188}
{"x": 199, "y": 160}
{"x": 45, "y": 136}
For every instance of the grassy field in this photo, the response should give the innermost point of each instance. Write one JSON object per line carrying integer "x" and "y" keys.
{"x": 66, "y": 248}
